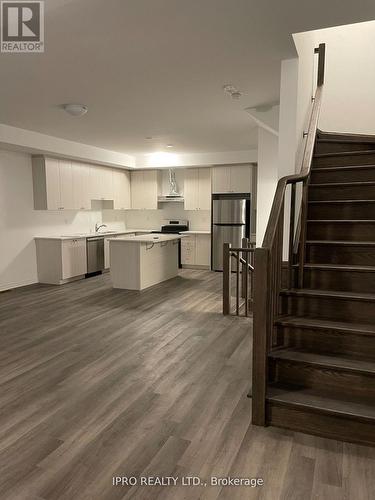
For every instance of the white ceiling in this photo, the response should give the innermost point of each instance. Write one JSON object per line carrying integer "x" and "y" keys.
{"x": 156, "y": 68}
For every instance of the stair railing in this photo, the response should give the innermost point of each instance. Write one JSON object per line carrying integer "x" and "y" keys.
{"x": 243, "y": 273}
{"x": 269, "y": 257}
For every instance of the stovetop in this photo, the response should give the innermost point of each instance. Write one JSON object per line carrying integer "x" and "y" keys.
{"x": 174, "y": 227}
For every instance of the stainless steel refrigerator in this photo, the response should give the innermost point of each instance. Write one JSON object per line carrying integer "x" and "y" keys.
{"x": 230, "y": 223}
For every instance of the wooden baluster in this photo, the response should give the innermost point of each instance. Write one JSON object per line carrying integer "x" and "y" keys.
{"x": 238, "y": 283}
{"x": 226, "y": 279}
{"x": 302, "y": 249}
{"x": 291, "y": 233}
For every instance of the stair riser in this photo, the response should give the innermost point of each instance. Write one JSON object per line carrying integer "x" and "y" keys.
{"x": 346, "y": 281}
{"x": 328, "y": 193}
{"x": 336, "y": 254}
{"x": 323, "y": 341}
{"x": 337, "y": 147}
{"x": 327, "y": 381}
{"x": 346, "y": 231}
{"x": 329, "y": 308}
{"x": 343, "y": 160}
{"x": 341, "y": 211}
{"x": 352, "y": 175}
{"x": 301, "y": 420}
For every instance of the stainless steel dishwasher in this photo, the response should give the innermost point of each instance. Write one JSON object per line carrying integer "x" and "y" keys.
{"x": 95, "y": 254}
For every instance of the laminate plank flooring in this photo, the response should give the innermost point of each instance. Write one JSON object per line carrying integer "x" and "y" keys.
{"x": 97, "y": 383}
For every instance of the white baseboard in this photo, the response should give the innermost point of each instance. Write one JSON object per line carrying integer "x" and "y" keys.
{"x": 11, "y": 286}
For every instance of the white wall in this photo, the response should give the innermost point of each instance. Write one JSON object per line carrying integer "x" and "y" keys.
{"x": 349, "y": 98}
{"x": 19, "y": 223}
{"x": 267, "y": 179}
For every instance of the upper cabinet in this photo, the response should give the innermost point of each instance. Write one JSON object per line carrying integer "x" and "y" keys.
{"x": 197, "y": 189}
{"x": 236, "y": 179}
{"x": 121, "y": 189}
{"x": 101, "y": 183}
{"x": 53, "y": 184}
{"x": 81, "y": 186}
{"x": 145, "y": 188}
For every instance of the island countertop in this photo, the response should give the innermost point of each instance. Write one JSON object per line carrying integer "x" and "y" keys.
{"x": 147, "y": 238}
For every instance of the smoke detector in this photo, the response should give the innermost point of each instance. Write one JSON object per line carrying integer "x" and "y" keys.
{"x": 75, "y": 109}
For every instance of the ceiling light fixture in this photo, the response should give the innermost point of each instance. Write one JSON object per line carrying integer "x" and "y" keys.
{"x": 232, "y": 91}
{"x": 169, "y": 145}
{"x": 75, "y": 109}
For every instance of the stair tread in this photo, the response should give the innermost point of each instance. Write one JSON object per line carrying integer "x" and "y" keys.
{"x": 344, "y": 153}
{"x": 338, "y": 294}
{"x": 326, "y": 324}
{"x": 343, "y": 167}
{"x": 300, "y": 396}
{"x": 339, "y": 267}
{"x": 324, "y": 360}
{"x": 343, "y": 221}
{"x": 342, "y": 184}
{"x": 341, "y": 242}
{"x": 340, "y": 201}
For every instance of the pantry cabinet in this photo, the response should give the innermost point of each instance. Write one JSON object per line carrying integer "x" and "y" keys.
{"x": 235, "y": 179}
{"x": 197, "y": 189}
{"x": 145, "y": 189}
{"x": 196, "y": 250}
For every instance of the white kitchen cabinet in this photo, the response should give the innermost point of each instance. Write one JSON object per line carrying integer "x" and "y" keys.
{"x": 81, "y": 186}
{"x": 197, "y": 189}
{"x": 66, "y": 184}
{"x": 52, "y": 184}
{"x": 196, "y": 250}
{"x": 107, "y": 260}
{"x": 61, "y": 260}
{"x": 101, "y": 183}
{"x": 74, "y": 259}
{"x": 145, "y": 188}
{"x": 121, "y": 189}
{"x": 235, "y": 179}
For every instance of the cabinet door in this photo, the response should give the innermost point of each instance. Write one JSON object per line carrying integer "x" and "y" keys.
{"x": 240, "y": 179}
{"x": 94, "y": 187}
{"x": 150, "y": 189}
{"x": 204, "y": 189}
{"x": 188, "y": 250}
{"x": 221, "y": 180}
{"x": 74, "y": 259}
{"x": 191, "y": 189}
{"x": 136, "y": 190}
{"x": 53, "y": 184}
{"x": 66, "y": 184}
{"x": 203, "y": 250}
{"x": 106, "y": 180}
{"x": 81, "y": 195}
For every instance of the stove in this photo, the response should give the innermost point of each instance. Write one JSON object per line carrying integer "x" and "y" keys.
{"x": 173, "y": 227}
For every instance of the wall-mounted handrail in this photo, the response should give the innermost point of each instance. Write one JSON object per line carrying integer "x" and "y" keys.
{"x": 269, "y": 257}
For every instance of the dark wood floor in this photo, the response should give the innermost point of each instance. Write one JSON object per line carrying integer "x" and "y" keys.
{"x": 96, "y": 382}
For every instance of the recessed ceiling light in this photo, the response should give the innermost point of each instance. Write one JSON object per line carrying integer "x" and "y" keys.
{"x": 148, "y": 138}
{"x": 169, "y": 145}
{"x": 75, "y": 109}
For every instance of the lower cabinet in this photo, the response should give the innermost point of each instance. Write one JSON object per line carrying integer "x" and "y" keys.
{"x": 59, "y": 260}
{"x": 196, "y": 250}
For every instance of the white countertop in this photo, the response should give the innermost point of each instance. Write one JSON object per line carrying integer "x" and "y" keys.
{"x": 147, "y": 238}
{"x": 77, "y": 236}
{"x": 197, "y": 232}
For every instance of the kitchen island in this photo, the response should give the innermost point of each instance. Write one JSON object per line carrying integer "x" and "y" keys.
{"x": 138, "y": 262}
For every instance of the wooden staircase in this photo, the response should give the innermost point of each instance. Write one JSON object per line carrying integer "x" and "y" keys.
{"x": 320, "y": 362}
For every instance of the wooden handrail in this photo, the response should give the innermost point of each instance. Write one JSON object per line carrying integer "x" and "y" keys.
{"x": 269, "y": 257}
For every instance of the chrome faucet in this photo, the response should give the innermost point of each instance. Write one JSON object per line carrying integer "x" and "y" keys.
{"x": 97, "y": 227}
